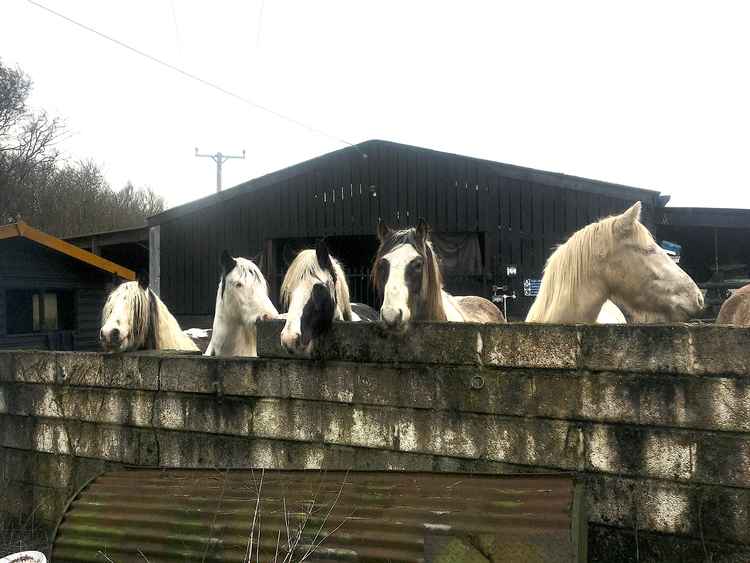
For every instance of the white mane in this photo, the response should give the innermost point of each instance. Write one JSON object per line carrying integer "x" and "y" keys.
{"x": 572, "y": 263}
{"x": 305, "y": 269}
{"x": 151, "y": 323}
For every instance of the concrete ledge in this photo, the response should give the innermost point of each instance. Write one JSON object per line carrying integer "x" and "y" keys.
{"x": 683, "y": 349}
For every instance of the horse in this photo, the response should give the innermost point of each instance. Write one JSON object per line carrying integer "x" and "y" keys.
{"x": 736, "y": 309}
{"x": 315, "y": 293}
{"x": 134, "y": 318}
{"x": 614, "y": 258}
{"x": 406, "y": 275}
{"x": 241, "y": 300}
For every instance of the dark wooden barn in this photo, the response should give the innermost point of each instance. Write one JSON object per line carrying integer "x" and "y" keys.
{"x": 127, "y": 247}
{"x": 51, "y": 292}
{"x": 487, "y": 216}
{"x": 715, "y": 248}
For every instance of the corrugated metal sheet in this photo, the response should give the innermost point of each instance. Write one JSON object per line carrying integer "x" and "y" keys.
{"x": 205, "y": 515}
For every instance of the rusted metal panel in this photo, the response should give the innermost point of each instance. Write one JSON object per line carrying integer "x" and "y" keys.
{"x": 212, "y": 515}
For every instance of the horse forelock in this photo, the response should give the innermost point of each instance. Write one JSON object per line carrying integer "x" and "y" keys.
{"x": 136, "y": 301}
{"x": 573, "y": 262}
{"x": 245, "y": 269}
{"x": 431, "y": 297}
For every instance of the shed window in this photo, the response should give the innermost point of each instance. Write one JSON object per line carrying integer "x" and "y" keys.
{"x": 30, "y": 310}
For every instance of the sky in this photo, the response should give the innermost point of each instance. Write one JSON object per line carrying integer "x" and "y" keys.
{"x": 649, "y": 94}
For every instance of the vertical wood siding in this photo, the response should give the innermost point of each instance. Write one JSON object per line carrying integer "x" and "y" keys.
{"x": 520, "y": 220}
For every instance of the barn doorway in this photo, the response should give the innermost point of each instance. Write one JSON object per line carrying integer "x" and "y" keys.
{"x": 354, "y": 252}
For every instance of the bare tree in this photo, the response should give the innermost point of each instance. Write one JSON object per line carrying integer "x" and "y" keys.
{"x": 60, "y": 197}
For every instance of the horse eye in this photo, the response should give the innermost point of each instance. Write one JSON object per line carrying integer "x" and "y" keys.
{"x": 238, "y": 284}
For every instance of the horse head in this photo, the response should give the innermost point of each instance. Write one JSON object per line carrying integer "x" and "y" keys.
{"x": 315, "y": 292}
{"x": 129, "y": 317}
{"x": 406, "y": 275}
{"x": 643, "y": 278}
{"x": 243, "y": 292}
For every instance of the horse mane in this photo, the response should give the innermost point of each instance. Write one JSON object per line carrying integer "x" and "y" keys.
{"x": 152, "y": 325}
{"x": 144, "y": 313}
{"x": 572, "y": 262}
{"x": 305, "y": 268}
{"x": 432, "y": 291}
{"x": 247, "y": 269}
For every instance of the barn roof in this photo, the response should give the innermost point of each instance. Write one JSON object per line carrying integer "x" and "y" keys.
{"x": 706, "y": 217}
{"x": 22, "y": 230}
{"x": 553, "y": 179}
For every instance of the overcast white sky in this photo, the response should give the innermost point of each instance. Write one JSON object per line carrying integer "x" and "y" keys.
{"x": 650, "y": 94}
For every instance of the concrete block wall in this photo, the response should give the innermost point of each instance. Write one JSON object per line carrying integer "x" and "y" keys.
{"x": 655, "y": 420}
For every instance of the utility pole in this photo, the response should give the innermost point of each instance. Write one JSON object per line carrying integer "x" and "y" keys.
{"x": 219, "y": 160}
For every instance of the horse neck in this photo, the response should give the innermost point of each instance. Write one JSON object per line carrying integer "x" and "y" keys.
{"x": 232, "y": 338}
{"x": 579, "y": 301}
{"x": 168, "y": 334}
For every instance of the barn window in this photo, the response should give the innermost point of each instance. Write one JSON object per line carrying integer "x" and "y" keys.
{"x": 30, "y": 310}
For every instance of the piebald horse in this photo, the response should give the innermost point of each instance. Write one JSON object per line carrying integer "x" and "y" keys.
{"x": 134, "y": 318}
{"x": 241, "y": 300}
{"x": 406, "y": 274}
{"x": 615, "y": 258}
{"x": 315, "y": 293}
{"x": 736, "y": 309}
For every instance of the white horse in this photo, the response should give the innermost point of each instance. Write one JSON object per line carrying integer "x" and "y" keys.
{"x": 615, "y": 258}
{"x": 406, "y": 273}
{"x": 315, "y": 293}
{"x": 241, "y": 300}
{"x": 134, "y": 318}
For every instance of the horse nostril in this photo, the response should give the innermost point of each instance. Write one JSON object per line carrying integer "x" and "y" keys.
{"x": 101, "y": 335}
{"x": 115, "y": 335}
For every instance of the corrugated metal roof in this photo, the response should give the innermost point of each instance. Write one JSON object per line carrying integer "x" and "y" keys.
{"x": 208, "y": 515}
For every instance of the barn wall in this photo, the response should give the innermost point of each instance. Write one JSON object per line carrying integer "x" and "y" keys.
{"x": 654, "y": 420}
{"x": 520, "y": 214}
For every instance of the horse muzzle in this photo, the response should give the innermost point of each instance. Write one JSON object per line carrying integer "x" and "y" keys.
{"x": 392, "y": 319}
{"x": 111, "y": 339}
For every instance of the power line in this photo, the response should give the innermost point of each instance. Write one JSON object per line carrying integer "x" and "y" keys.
{"x": 203, "y": 81}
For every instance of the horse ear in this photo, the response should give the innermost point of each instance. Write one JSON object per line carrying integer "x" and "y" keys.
{"x": 142, "y": 277}
{"x": 422, "y": 231}
{"x": 629, "y": 218}
{"x": 321, "y": 253}
{"x": 384, "y": 231}
{"x": 227, "y": 262}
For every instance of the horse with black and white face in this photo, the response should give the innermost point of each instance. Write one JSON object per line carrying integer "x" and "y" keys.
{"x": 406, "y": 274}
{"x": 614, "y": 259}
{"x": 134, "y": 318}
{"x": 315, "y": 293}
{"x": 241, "y": 301}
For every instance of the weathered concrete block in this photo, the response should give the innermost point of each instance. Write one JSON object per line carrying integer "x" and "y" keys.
{"x": 187, "y": 374}
{"x": 128, "y": 371}
{"x": 529, "y": 345}
{"x": 652, "y": 349}
{"x": 719, "y": 350}
{"x": 80, "y": 368}
{"x": 427, "y": 342}
{"x": 34, "y": 367}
